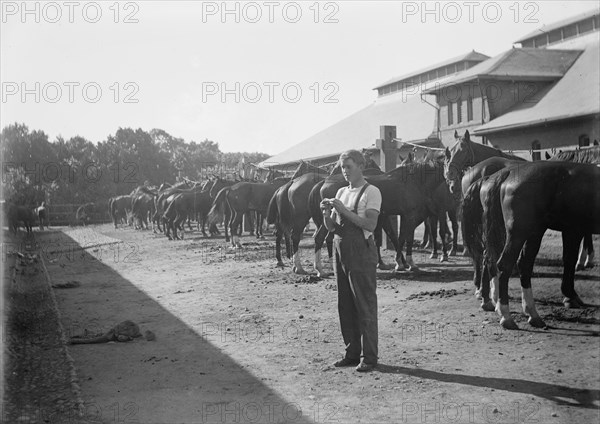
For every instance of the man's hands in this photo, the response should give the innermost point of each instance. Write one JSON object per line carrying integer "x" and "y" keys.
{"x": 328, "y": 204}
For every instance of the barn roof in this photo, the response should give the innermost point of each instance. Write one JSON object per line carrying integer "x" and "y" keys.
{"x": 517, "y": 63}
{"x": 568, "y": 21}
{"x": 471, "y": 56}
{"x": 576, "y": 94}
{"x": 413, "y": 118}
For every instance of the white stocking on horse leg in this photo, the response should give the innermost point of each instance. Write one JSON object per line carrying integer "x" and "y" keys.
{"x": 529, "y": 308}
{"x": 298, "y": 264}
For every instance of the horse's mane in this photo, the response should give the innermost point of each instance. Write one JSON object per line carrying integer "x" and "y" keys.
{"x": 588, "y": 155}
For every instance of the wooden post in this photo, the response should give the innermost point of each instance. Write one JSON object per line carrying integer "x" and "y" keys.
{"x": 388, "y": 153}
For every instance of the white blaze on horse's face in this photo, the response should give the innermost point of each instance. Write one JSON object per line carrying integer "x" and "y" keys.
{"x": 351, "y": 171}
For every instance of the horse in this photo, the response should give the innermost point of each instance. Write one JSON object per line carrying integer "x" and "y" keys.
{"x": 589, "y": 155}
{"x": 20, "y": 214}
{"x": 328, "y": 188}
{"x": 466, "y": 153}
{"x": 288, "y": 209}
{"x": 274, "y": 217}
{"x": 445, "y": 205}
{"x": 472, "y": 221}
{"x": 194, "y": 203}
{"x": 220, "y": 211}
{"x": 243, "y": 197}
{"x": 142, "y": 206}
{"x": 120, "y": 208}
{"x": 160, "y": 202}
{"x": 406, "y": 191}
{"x": 519, "y": 204}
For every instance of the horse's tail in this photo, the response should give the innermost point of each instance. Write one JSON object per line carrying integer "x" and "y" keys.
{"x": 171, "y": 211}
{"x": 494, "y": 230}
{"x": 314, "y": 204}
{"x": 215, "y": 215}
{"x": 272, "y": 209}
{"x": 285, "y": 209}
{"x": 471, "y": 220}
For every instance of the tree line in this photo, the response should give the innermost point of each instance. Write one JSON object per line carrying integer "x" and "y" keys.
{"x": 77, "y": 171}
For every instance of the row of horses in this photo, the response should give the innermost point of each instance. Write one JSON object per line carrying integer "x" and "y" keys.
{"x": 507, "y": 206}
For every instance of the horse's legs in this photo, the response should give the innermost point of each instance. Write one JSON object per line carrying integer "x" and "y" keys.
{"x": 512, "y": 247}
{"x": 454, "y": 222}
{"x": 571, "y": 241}
{"x": 433, "y": 226}
{"x": 525, "y": 264}
{"x": 426, "y": 236}
{"x": 319, "y": 237}
{"x": 587, "y": 242}
{"x": 386, "y": 226}
{"x": 278, "y": 236}
{"x": 444, "y": 231}
{"x": 409, "y": 237}
{"x": 296, "y": 235}
{"x": 235, "y": 226}
{"x": 587, "y": 250}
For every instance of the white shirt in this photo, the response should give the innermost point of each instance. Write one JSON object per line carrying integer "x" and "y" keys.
{"x": 371, "y": 199}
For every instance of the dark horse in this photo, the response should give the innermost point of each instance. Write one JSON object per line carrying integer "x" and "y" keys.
{"x": 20, "y": 214}
{"x": 466, "y": 153}
{"x": 244, "y": 197}
{"x": 519, "y": 204}
{"x": 471, "y": 222}
{"x": 589, "y": 155}
{"x": 406, "y": 191}
{"x": 288, "y": 210}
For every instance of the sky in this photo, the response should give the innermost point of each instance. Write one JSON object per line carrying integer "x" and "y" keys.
{"x": 252, "y": 76}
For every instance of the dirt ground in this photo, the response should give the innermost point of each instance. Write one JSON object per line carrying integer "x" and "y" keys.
{"x": 240, "y": 340}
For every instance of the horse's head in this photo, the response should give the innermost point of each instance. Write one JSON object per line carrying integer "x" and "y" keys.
{"x": 457, "y": 159}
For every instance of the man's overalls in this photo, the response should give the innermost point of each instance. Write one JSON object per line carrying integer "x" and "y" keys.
{"x": 355, "y": 265}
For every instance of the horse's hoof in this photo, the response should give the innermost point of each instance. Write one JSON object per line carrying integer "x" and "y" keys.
{"x": 508, "y": 324}
{"x": 444, "y": 258}
{"x": 579, "y": 267}
{"x": 322, "y": 274}
{"x": 488, "y": 306}
{"x": 399, "y": 268}
{"x": 453, "y": 252}
{"x": 478, "y": 294}
{"x": 383, "y": 266}
{"x": 573, "y": 303}
{"x": 536, "y": 322}
{"x": 433, "y": 256}
{"x": 298, "y": 270}
{"x": 280, "y": 264}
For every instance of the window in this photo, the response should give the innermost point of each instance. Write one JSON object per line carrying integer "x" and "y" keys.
{"x": 469, "y": 108}
{"x": 586, "y": 26}
{"x": 569, "y": 31}
{"x": 541, "y": 41}
{"x": 459, "y": 111}
{"x": 554, "y": 36}
{"x": 450, "y": 117}
{"x": 584, "y": 140}
{"x": 536, "y": 145}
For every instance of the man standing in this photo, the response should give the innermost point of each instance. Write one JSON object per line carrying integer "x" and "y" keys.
{"x": 357, "y": 208}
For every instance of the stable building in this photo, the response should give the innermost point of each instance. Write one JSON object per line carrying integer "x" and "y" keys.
{"x": 399, "y": 103}
{"x": 543, "y": 96}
